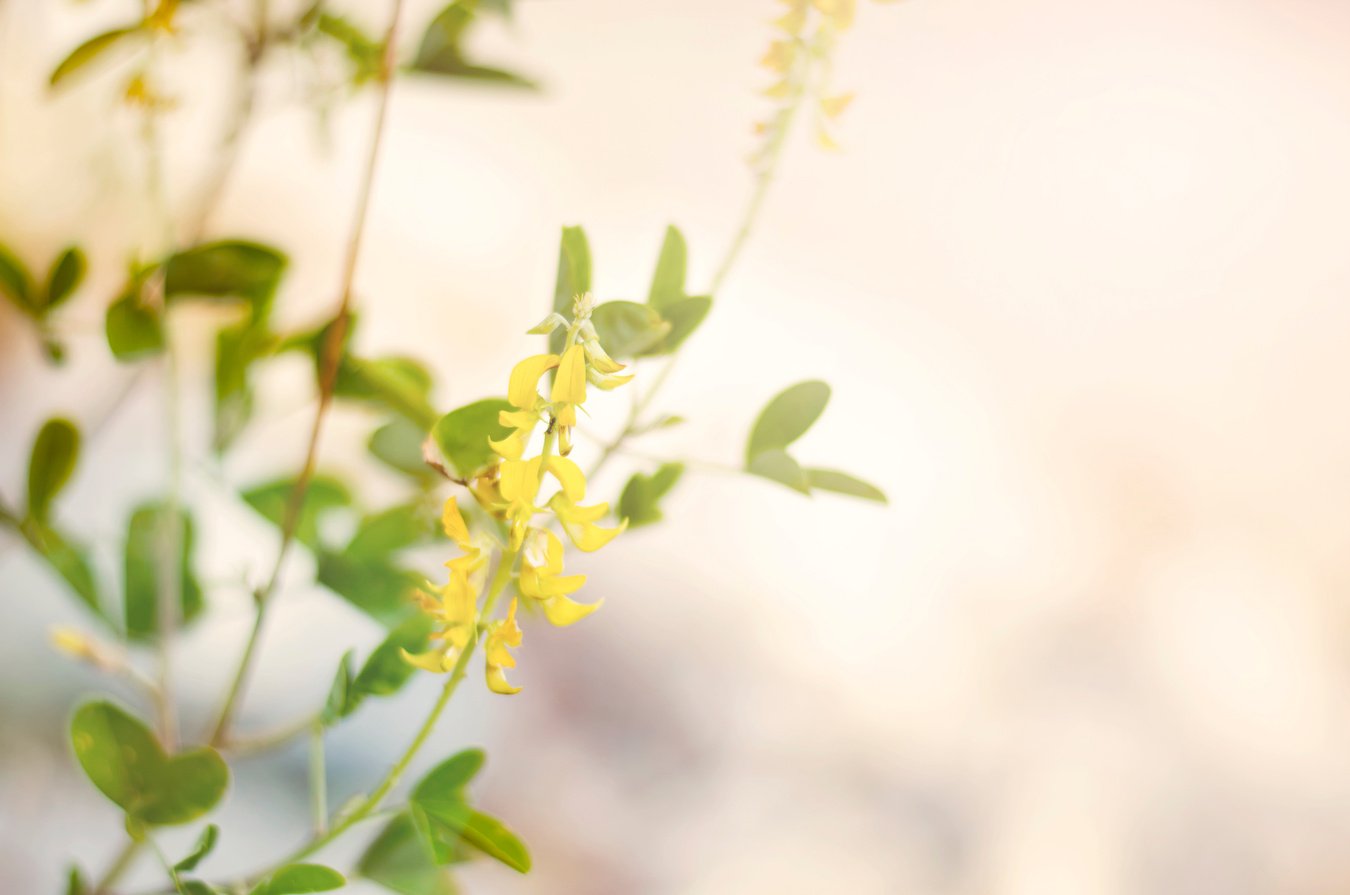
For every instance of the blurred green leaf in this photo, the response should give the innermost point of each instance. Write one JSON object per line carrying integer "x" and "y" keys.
{"x": 342, "y": 698}
{"x": 196, "y": 887}
{"x": 65, "y": 276}
{"x": 237, "y": 349}
{"x": 391, "y": 530}
{"x": 375, "y": 586}
{"x": 398, "y": 444}
{"x": 134, "y": 330}
{"x": 683, "y": 316}
{"x": 400, "y": 384}
{"x": 398, "y": 860}
{"x": 227, "y": 268}
{"x": 90, "y": 51}
{"x": 574, "y": 278}
{"x": 51, "y": 464}
{"x": 640, "y": 501}
{"x": 325, "y": 493}
{"x": 786, "y": 418}
{"x": 70, "y": 561}
{"x": 843, "y": 483}
{"x": 205, "y": 842}
{"x": 145, "y": 532}
{"x": 441, "y": 51}
{"x": 16, "y": 282}
{"x": 777, "y": 466}
{"x": 491, "y": 837}
{"x": 447, "y": 780}
{"x": 627, "y": 329}
{"x": 363, "y": 52}
{"x": 443, "y": 816}
{"x": 126, "y": 763}
{"x": 668, "y": 280}
{"x": 386, "y": 671}
{"x": 300, "y": 879}
{"x": 463, "y": 433}
{"x": 75, "y": 884}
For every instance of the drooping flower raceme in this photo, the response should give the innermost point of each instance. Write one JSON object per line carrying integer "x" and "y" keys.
{"x": 509, "y": 490}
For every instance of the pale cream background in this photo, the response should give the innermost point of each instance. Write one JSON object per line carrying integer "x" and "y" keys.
{"x": 1078, "y": 278}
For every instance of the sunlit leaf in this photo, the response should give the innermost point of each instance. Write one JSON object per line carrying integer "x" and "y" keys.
{"x": 363, "y": 52}
{"x": 400, "y": 384}
{"x": 463, "y": 433}
{"x": 442, "y": 52}
{"x": 16, "y": 282}
{"x": 342, "y": 698}
{"x": 70, "y": 561}
{"x": 237, "y": 349}
{"x": 398, "y": 444}
{"x": 145, "y": 536}
{"x": 447, "y": 780}
{"x": 627, "y": 329}
{"x": 390, "y": 530}
{"x": 377, "y": 587}
{"x": 668, "y": 280}
{"x": 227, "y": 268}
{"x": 777, "y": 466}
{"x": 683, "y": 316}
{"x": 91, "y": 50}
{"x": 843, "y": 483}
{"x": 324, "y": 493}
{"x": 787, "y": 417}
{"x": 126, "y": 763}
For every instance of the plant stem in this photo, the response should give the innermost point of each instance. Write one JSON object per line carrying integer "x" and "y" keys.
{"x": 329, "y": 361}
{"x": 764, "y": 178}
{"x": 318, "y": 779}
{"x": 120, "y": 865}
{"x": 370, "y": 803}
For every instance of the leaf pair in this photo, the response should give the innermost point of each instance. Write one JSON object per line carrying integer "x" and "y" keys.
{"x": 384, "y": 672}
{"x": 38, "y": 299}
{"x": 442, "y": 51}
{"x": 785, "y": 419}
{"x": 438, "y": 829}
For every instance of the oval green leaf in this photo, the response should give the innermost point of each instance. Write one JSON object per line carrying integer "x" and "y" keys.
{"x": 843, "y": 483}
{"x": 51, "y": 464}
{"x": 786, "y": 418}
{"x": 300, "y": 879}
{"x": 462, "y": 434}
{"x": 777, "y": 466}
{"x": 66, "y": 274}
{"x": 89, "y": 51}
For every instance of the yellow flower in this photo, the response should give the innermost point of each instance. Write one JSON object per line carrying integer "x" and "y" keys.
{"x": 454, "y": 606}
{"x": 501, "y": 634}
{"x": 541, "y": 579}
{"x": 579, "y": 523}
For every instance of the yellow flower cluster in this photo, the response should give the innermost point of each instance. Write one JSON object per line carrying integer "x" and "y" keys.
{"x": 793, "y": 57}
{"x": 509, "y": 490}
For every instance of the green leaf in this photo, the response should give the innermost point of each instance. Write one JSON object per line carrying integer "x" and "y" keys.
{"x": 65, "y": 276}
{"x": 574, "y": 278}
{"x": 363, "y": 52}
{"x": 237, "y": 349}
{"x": 325, "y": 493}
{"x": 779, "y": 467}
{"x": 400, "y": 384}
{"x": 441, "y": 51}
{"x": 843, "y": 483}
{"x": 390, "y": 531}
{"x": 627, "y": 329}
{"x": 127, "y": 764}
{"x": 300, "y": 879}
{"x": 683, "y": 316}
{"x": 75, "y": 884}
{"x": 145, "y": 533}
{"x": 398, "y": 444}
{"x": 447, "y": 780}
{"x": 134, "y": 330}
{"x": 462, "y": 434}
{"x": 375, "y": 586}
{"x": 491, "y": 837}
{"x": 70, "y": 561}
{"x": 16, "y": 282}
{"x": 196, "y": 887}
{"x": 640, "y": 501}
{"x": 205, "y": 842}
{"x": 668, "y": 280}
{"x": 787, "y": 417}
{"x": 227, "y": 268}
{"x": 51, "y": 464}
{"x": 91, "y": 50}
{"x": 397, "y": 860}
{"x": 386, "y": 671}
{"x": 342, "y": 698}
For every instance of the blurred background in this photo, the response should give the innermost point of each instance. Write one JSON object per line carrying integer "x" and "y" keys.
{"x": 1077, "y": 279}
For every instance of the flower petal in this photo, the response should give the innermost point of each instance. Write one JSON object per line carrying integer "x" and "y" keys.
{"x": 562, "y": 612}
{"x": 569, "y": 387}
{"x": 523, "y": 390}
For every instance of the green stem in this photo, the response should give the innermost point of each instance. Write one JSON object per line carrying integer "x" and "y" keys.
{"x": 372, "y": 802}
{"x": 120, "y": 865}
{"x": 331, "y": 354}
{"x": 318, "y": 778}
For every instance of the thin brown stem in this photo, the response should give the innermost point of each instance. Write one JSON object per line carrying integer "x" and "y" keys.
{"x": 330, "y": 357}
